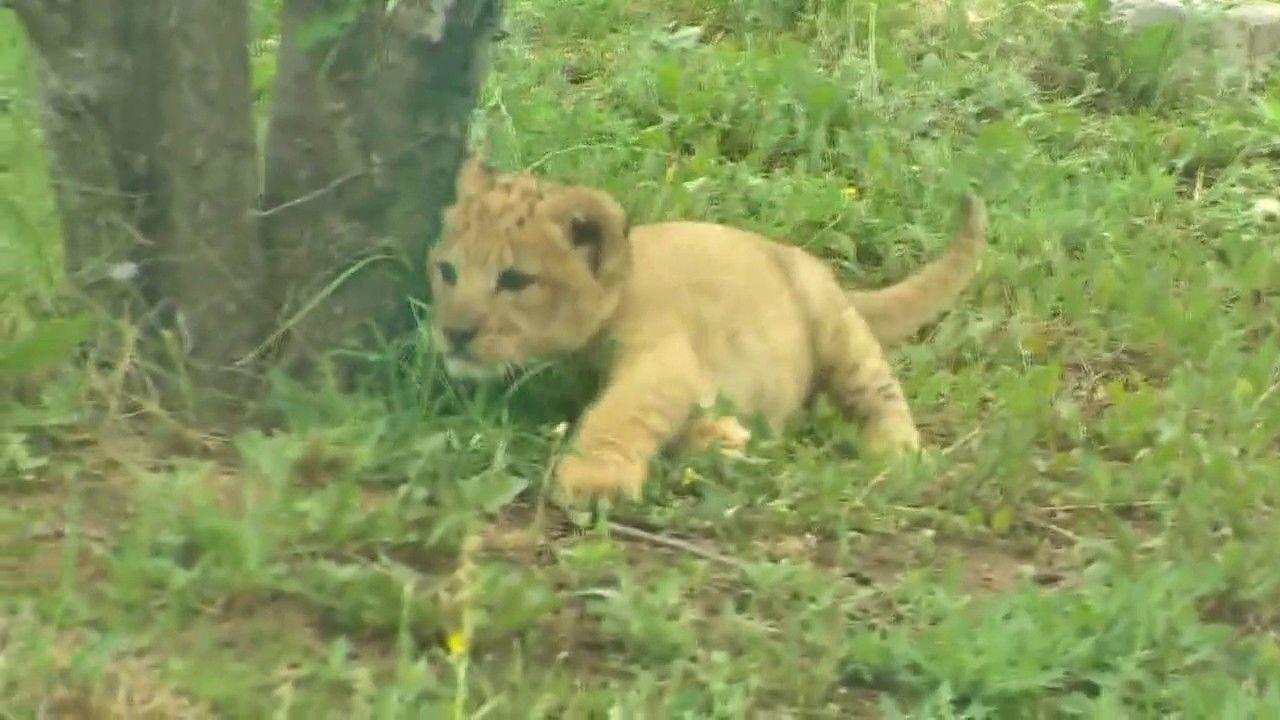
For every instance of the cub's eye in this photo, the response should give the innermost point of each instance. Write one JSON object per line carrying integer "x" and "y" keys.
{"x": 448, "y": 273}
{"x": 513, "y": 280}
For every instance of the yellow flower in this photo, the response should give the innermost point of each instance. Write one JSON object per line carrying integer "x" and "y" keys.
{"x": 850, "y": 192}
{"x": 456, "y": 643}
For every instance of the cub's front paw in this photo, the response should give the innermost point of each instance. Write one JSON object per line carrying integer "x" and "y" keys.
{"x": 583, "y": 478}
{"x": 891, "y": 437}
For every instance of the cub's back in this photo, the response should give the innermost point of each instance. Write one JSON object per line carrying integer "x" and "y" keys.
{"x": 715, "y": 271}
{"x": 728, "y": 292}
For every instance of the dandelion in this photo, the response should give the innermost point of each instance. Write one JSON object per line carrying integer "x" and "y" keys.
{"x": 457, "y": 643}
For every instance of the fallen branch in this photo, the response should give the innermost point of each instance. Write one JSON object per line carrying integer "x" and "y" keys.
{"x": 1103, "y": 505}
{"x": 308, "y": 197}
{"x": 961, "y": 442}
{"x": 1046, "y": 525}
{"x": 673, "y": 543}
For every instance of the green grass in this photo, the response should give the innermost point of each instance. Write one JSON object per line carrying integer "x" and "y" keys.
{"x": 1094, "y": 532}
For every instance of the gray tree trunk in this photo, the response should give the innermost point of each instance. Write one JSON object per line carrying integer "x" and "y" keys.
{"x": 94, "y": 118}
{"x": 366, "y": 133}
{"x": 215, "y": 273}
{"x": 148, "y": 120}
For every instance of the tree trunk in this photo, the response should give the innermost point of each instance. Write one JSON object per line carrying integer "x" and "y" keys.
{"x": 85, "y": 65}
{"x": 147, "y": 119}
{"x": 149, "y": 123}
{"x": 214, "y": 271}
{"x": 366, "y": 133}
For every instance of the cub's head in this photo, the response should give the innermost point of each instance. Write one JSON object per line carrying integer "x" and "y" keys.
{"x": 525, "y": 270}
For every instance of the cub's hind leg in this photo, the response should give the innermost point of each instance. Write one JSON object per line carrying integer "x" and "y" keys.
{"x": 850, "y": 366}
{"x": 855, "y": 374}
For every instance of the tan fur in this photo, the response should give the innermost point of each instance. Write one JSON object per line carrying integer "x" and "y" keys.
{"x": 694, "y": 312}
{"x": 898, "y": 311}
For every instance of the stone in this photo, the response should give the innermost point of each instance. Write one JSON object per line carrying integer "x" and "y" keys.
{"x": 1266, "y": 211}
{"x": 1244, "y": 37}
{"x": 1139, "y": 14}
{"x": 1249, "y": 36}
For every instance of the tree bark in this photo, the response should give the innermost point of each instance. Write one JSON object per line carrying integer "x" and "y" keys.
{"x": 215, "y": 273}
{"x": 147, "y": 119}
{"x": 84, "y": 66}
{"x": 366, "y": 133}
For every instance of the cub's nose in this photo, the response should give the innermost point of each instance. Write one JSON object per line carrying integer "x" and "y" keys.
{"x": 459, "y": 338}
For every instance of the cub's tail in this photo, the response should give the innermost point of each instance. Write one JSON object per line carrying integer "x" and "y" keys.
{"x": 898, "y": 311}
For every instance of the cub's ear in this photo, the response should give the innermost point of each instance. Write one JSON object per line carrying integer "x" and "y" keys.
{"x": 597, "y": 228}
{"x": 474, "y": 176}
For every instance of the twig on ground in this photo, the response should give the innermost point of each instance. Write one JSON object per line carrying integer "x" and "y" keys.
{"x": 1046, "y": 525}
{"x": 61, "y": 532}
{"x": 961, "y": 442}
{"x": 1103, "y": 505}
{"x": 667, "y": 541}
{"x": 879, "y": 478}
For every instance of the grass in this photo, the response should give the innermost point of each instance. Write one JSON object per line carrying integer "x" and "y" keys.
{"x": 1093, "y": 534}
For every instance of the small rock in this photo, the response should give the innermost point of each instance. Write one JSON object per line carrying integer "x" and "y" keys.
{"x": 1249, "y": 35}
{"x": 1246, "y": 37}
{"x": 1266, "y": 211}
{"x": 1138, "y": 14}
{"x": 123, "y": 271}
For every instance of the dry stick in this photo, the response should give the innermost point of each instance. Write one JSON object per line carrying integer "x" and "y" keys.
{"x": 635, "y": 533}
{"x": 866, "y": 491}
{"x": 1042, "y": 524}
{"x": 333, "y": 185}
{"x": 60, "y": 532}
{"x": 575, "y": 148}
{"x": 339, "y": 181}
{"x": 1103, "y": 505}
{"x": 1045, "y": 525}
{"x": 961, "y": 442}
{"x": 315, "y": 300}
{"x": 674, "y": 543}
{"x": 1266, "y": 394}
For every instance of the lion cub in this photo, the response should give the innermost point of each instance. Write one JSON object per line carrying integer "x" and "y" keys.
{"x": 528, "y": 270}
